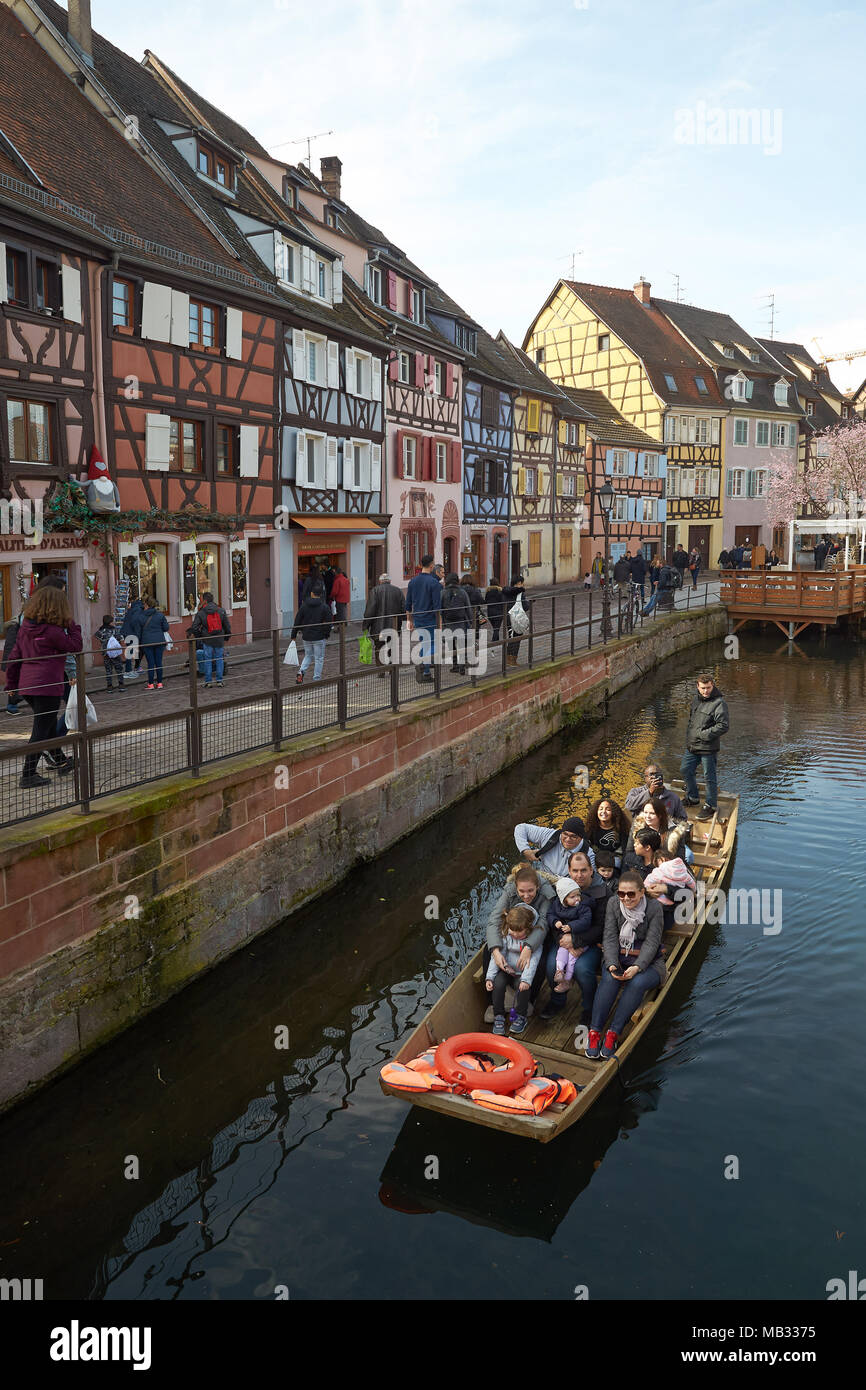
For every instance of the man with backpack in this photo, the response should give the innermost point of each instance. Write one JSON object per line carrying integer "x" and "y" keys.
{"x": 211, "y": 624}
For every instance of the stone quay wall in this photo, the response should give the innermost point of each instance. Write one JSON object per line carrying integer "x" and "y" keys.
{"x": 103, "y": 917}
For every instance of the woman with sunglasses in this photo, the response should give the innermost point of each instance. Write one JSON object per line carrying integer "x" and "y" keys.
{"x": 631, "y": 950}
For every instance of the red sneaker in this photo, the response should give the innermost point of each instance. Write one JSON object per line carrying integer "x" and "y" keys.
{"x": 149, "y": 685}
{"x": 592, "y": 1045}
{"x": 608, "y": 1047}
{"x": 159, "y": 685}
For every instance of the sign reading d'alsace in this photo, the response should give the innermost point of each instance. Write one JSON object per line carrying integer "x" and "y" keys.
{"x": 53, "y": 542}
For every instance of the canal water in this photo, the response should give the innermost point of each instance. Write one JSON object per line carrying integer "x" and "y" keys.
{"x": 726, "y": 1163}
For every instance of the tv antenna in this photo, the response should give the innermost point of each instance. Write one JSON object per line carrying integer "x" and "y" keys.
{"x": 770, "y": 304}
{"x": 678, "y": 290}
{"x": 573, "y": 258}
{"x": 308, "y": 141}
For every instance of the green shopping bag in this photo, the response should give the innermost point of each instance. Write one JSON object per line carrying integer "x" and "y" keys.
{"x": 365, "y": 649}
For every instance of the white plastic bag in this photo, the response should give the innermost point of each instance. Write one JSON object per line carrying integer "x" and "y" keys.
{"x": 291, "y": 657}
{"x": 71, "y": 715}
{"x": 113, "y": 648}
{"x": 169, "y": 645}
{"x": 518, "y": 619}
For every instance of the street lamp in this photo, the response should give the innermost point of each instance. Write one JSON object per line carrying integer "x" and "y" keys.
{"x": 605, "y": 501}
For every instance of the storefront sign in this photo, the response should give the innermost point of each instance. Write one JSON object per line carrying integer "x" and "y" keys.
{"x": 47, "y": 543}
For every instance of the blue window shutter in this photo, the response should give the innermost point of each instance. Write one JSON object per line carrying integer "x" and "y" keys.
{"x": 750, "y": 386}
{"x": 751, "y": 488}
{"x": 608, "y": 461}
{"x": 729, "y": 484}
{"x": 662, "y": 510}
{"x": 639, "y": 468}
{"x": 663, "y": 465}
{"x": 630, "y": 509}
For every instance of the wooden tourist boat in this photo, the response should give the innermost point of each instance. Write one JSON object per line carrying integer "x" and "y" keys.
{"x": 552, "y": 1043}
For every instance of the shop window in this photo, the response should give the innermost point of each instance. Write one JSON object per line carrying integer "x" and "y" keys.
{"x": 153, "y": 576}
{"x": 208, "y": 569}
{"x": 239, "y": 576}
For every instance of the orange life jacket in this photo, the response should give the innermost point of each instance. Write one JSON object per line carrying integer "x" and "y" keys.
{"x": 530, "y": 1099}
{"x": 410, "y": 1079}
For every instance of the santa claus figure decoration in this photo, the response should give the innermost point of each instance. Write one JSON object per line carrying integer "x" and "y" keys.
{"x": 101, "y": 493}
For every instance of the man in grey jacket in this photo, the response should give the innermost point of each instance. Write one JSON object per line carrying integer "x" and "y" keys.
{"x": 708, "y": 721}
{"x": 384, "y": 615}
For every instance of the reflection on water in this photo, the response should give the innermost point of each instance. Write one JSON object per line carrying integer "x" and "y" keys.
{"x": 262, "y": 1166}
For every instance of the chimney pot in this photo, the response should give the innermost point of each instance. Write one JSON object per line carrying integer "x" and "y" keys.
{"x": 642, "y": 290}
{"x": 332, "y": 169}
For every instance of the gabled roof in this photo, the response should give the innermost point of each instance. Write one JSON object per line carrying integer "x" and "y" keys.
{"x": 607, "y": 425}
{"x": 140, "y": 90}
{"x": 791, "y": 355}
{"x": 214, "y": 119}
{"x": 704, "y": 328}
{"x": 536, "y": 383}
{"x": 650, "y": 334}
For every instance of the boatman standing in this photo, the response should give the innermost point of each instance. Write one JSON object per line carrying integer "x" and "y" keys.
{"x": 708, "y": 721}
{"x": 551, "y": 849}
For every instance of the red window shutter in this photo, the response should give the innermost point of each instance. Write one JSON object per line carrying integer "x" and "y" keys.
{"x": 394, "y": 367}
{"x": 410, "y": 300}
{"x": 449, "y": 378}
{"x": 392, "y": 290}
{"x": 398, "y": 454}
{"x": 456, "y": 461}
{"x": 419, "y": 369}
{"x": 427, "y": 465}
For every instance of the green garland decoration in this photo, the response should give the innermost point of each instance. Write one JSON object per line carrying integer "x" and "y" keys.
{"x": 67, "y": 510}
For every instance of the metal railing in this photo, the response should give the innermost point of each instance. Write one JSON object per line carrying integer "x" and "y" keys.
{"x": 204, "y": 730}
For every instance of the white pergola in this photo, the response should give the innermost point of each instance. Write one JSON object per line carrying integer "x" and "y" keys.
{"x": 835, "y": 526}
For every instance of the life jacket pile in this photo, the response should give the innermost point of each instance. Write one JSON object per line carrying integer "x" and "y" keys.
{"x": 530, "y": 1099}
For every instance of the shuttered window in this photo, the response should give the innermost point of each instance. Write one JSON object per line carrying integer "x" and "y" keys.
{"x": 535, "y": 548}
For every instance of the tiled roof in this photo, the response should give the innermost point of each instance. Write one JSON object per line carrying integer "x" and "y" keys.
{"x": 661, "y": 348}
{"x": 608, "y": 426}
{"x": 536, "y": 383}
{"x": 789, "y": 355}
{"x": 704, "y": 328}
{"x": 81, "y": 158}
{"x": 216, "y": 120}
{"x": 139, "y": 91}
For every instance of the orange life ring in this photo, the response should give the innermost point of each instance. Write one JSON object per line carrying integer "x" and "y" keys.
{"x": 501, "y": 1082}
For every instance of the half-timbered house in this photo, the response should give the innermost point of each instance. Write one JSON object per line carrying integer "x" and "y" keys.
{"x": 621, "y": 343}
{"x": 548, "y": 475}
{"x": 635, "y": 465}
{"x": 763, "y": 418}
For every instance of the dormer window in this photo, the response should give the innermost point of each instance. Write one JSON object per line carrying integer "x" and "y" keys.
{"x": 331, "y": 219}
{"x": 322, "y": 279}
{"x": 701, "y": 385}
{"x": 755, "y": 356}
{"x": 214, "y": 166}
{"x": 374, "y": 283}
{"x": 291, "y": 195}
{"x": 727, "y": 350}
{"x": 669, "y": 382}
{"x": 417, "y": 306}
{"x": 810, "y": 407}
{"x": 466, "y": 339}
{"x": 781, "y": 392}
{"x": 739, "y": 387}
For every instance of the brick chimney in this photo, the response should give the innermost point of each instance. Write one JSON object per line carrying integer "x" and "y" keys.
{"x": 642, "y": 290}
{"x": 332, "y": 169}
{"x": 78, "y": 28}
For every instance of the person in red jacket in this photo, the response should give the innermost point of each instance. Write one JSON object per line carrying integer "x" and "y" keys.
{"x": 36, "y": 668}
{"x": 340, "y": 596}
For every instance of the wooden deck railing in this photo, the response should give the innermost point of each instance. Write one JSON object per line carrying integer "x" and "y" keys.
{"x": 794, "y": 592}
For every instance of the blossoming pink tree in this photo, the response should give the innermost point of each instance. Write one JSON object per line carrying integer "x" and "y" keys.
{"x": 831, "y": 486}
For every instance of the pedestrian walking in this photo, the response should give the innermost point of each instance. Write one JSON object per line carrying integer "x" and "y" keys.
{"x": 456, "y": 619}
{"x": 133, "y": 620}
{"x": 680, "y": 562}
{"x": 423, "y": 607}
{"x": 596, "y": 570}
{"x": 515, "y": 595}
{"x": 494, "y": 606}
{"x": 313, "y": 625}
{"x": 384, "y": 615}
{"x": 211, "y": 624}
{"x": 708, "y": 723}
{"x": 476, "y": 599}
{"x": 36, "y": 669}
{"x": 340, "y": 595}
{"x": 112, "y": 652}
{"x": 622, "y": 576}
{"x": 639, "y": 567}
{"x": 694, "y": 565}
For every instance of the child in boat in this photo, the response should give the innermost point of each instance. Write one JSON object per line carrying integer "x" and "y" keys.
{"x": 502, "y": 971}
{"x": 569, "y": 913}
{"x": 668, "y": 878}
{"x": 605, "y": 865}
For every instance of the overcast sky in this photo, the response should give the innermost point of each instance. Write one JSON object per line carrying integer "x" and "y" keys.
{"x": 492, "y": 139}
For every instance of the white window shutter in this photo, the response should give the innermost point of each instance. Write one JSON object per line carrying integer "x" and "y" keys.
{"x": 714, "y": 482}
{"x": 71, "y": 279}
{"x": 715, "y": 434}
{"x": 234, "y": 333}
{"x": 157, "y": 440}
{"x": 2, "y": 271}
{"x": 308, "y": 270}
{"x": 376, "y": 468}
{"x": 249, "y": 451}
{"x": 376, "y": 374}
{"x": 366, "y": 469}
{"x": 299, "y": 354}
{"x": 337, "y": 281}
{"x": 331, "y": 479}
{"x": 301, "y": 460}
{"x": 334, "y": 366}
{"x": 179, "y": 318}
{"x": 156, "y": 312}
{"x": 348, "y": 466}
{"x": 350, "y": 371}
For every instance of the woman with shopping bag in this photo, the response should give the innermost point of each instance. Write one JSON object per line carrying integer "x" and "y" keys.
{"x": 154, "y": 641}
{"x": 516, "y": 616}
{"x": 36, "y": 669}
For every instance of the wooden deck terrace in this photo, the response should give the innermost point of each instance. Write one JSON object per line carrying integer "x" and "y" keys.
{"x": 793, "y": 599}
